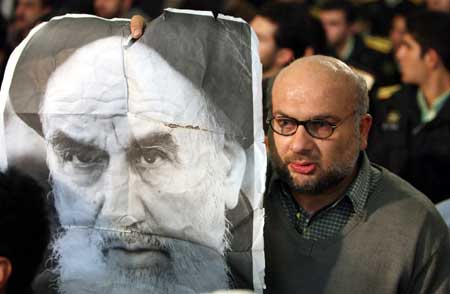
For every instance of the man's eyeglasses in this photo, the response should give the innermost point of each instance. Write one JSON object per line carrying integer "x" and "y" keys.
{"x": 316, "y": 128}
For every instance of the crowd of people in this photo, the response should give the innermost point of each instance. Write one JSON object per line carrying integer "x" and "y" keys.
{"x": 331, "y": 198}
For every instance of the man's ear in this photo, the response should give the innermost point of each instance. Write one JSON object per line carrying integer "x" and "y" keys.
{"x": 284, "y": 56}
{"x": 364, "y": 128}
{"x": 235, "y": 174}
{"x": 432, "y": 59}
{"x": 5, "y": 271}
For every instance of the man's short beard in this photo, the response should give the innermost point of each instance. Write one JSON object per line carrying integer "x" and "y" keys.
{"x": 83, "y": 268}
{"x": 329, "y": 179}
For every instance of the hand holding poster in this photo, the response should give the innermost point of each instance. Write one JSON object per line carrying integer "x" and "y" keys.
{"x": 154, "y": 151}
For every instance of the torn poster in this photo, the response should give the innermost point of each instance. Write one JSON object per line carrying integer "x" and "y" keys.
{"x": 152, "y": 150}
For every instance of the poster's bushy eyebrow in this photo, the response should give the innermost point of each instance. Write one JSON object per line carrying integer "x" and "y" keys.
{"x": 158, "y": 139}
{"x": 162, "y": 141}
{"x": 61, "y": 141}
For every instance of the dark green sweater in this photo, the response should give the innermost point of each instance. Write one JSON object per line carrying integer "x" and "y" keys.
{"x": 399, "y": 245}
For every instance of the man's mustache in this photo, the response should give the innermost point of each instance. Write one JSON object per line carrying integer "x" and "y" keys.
{"x": 135, "y": 241}
{"x": 299, "y": 157}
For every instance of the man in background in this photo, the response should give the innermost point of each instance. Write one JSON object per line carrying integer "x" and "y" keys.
{"x": 411, "y": 133}
{"x": 438, "y": 5}
{"x": 338, "y": 18}
{"x": 117, "y": 9}
{"x": 24, "y": 231}
{"x": 285, "y": 31}
{"x": 28, "y": 13}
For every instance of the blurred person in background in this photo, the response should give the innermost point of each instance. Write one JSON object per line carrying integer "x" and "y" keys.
{"x": 363, "y": 53}
{"x": 285, "y": 31}
{"x": 24, "y": 229}
{"x": 396, "y": 32}
{"x": 117, "y": 9}
{"x": 438, "y": 5}
{"x": 27, "y": 14}
{"x": 73, "y": 6}
{"x": 398, "y": 29}
{"x": 411, "y": 132}
{"x": 282, "y": 33}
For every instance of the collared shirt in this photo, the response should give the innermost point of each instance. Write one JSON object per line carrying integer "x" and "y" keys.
{"x": 349, "y": 46}
{"x": 329, "y": 221}
{"x": 428, "y": 113}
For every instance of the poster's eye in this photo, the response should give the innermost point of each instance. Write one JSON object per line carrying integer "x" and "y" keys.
{"x": 84, "y": 158}
{"x": 153, "y": 156}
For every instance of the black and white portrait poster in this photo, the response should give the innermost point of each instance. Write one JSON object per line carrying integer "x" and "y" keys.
{"x": 152, "y": 151}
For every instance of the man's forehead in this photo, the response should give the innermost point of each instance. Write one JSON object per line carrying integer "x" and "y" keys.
{"x": 331, "y": 84}
{"x": 105, "y": 77}
{"x": 263, "y": 24}
{"x": 409, "y": 39}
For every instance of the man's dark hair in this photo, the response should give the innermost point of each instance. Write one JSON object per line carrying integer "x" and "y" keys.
{"x": 24, "y": 228}
{"x": 47, "y": 3}
{"x": 216, "y": 5}
{"x": 297, "y": 29}
{"x": 342, "y": 5}
{"x": 431, "y": 30}
{"x": 44, "y": 3}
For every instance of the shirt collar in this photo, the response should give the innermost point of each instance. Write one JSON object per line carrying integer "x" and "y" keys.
{"x": 349, "y": 45}
{"x": 359, "y": 189}
{"x": 427, "y": 114}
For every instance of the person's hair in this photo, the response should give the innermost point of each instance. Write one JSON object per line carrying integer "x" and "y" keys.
{"x": 216, "y": 5}
{"x": 362, "y": 96}
{"x": 47, "y": 3}
{"x": 24, "y": 228}
{"x": 431, "y": 30}
{"x": 44, "y": 3}
{"x": 296, "y": 29}
{"x": 405, "y": 8}
{"x": 342, "y": 5}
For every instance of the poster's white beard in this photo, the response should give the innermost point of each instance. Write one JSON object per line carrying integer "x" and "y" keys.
{"x": 82, "y": 267}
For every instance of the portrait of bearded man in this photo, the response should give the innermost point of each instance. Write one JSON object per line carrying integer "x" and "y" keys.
{"x": 147, "y": 149}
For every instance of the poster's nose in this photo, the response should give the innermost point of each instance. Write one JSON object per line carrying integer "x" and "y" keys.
{"x": 128, "y": 221}
{"x": 123, "y": 202}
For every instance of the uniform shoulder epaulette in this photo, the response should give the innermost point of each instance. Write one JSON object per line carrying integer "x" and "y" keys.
{"x": 379, "y": 44}
{"x": 386, "y": 92}
{"x": 315, "y": 11}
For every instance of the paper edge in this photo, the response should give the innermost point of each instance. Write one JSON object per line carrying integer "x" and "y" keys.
{"x": 4, "y": 91}
{"x": 260, "y": 156}
{"x": 205, "y": 13}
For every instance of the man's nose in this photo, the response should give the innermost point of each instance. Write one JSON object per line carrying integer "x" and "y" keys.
{"x": 301, "y": 141}
{"x": 136, "y": 207}
{"x": 399, "y": 53}
{"x": 122, "y": 202}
